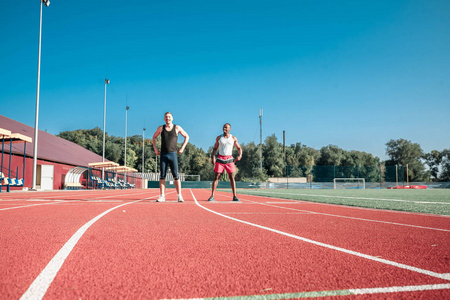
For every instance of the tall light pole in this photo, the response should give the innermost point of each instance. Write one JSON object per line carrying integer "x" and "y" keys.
{"x": 143, "y": 144}
{"x": 126, "y": 113}
{"x": 104, "y": 128}
{"x": 104, "y": 121}
{"x": 36, "y": 124}
{"x": 260, "y": 138}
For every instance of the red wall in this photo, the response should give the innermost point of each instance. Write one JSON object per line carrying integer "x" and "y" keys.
{"x": 59, "y": 173}
{"x": 60, "y": 170}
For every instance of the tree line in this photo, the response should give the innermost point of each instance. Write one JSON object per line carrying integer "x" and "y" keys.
{"x": 271, "y": 159}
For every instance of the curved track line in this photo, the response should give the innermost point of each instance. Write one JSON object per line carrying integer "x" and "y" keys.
{"x": 42, "y": 282}
{"x": 364, "y": 198}
{"x": 352, "y": 218}
{"x": 445, "y": 276}
{"x": 335, "y": 293}
{"x": 24, "y": 206}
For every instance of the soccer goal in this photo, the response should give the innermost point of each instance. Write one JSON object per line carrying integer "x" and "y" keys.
{"x": 192, "y": 177}
{"x": 349, "y": 183}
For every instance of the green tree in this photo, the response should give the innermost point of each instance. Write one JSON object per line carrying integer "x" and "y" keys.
{"x": 406, "y": 153}
{"x": 330, "y": 155}
{"x": 273, "y": 157}
{"x": 131, "y": 158}
{"x": 113, "y": 152}
{"x": 445, "y": 165}
{"x": 249, "y": 165}
{"x": 301, "y": 159}
{"x": 433, "y": 160}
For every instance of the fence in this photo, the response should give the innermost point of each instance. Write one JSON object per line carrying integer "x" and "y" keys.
{"x": 378, "y": 174}
{"x": 321, "y": 177}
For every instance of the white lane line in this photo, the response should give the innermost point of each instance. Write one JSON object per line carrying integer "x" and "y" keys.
{"x": 334, "y": 293}
{"x": 397, "y": 289}
{"x": 291, "y": 202}
{"x": 268, "y": 213}
{"x": 42, "y": 282}
{"x": 445, "y": 276}
{"x": 121, "y": 195}
{"x": 356, "y": 198}
{"x": 341, "y": 216}
{"x": 23, "y": 206}
{"x": 352, "y": 218}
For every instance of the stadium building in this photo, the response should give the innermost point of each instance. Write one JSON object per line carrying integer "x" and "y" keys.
{"x": 58, "y": 159}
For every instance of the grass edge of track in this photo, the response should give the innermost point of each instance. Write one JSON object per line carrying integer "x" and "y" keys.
{"x": 397, "y": 204}
{"x": 332, "y": 293}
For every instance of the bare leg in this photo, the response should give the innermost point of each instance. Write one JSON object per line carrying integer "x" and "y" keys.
{"x": 233, "y": 183}
{"x": 162, "y": 187}
{"x": 178, "y": 186}
{"x": 215, "y": 182}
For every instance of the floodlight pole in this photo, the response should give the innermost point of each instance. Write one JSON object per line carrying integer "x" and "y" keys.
{"x": 104, "y": 128}
{"x": 260, "y": 138}
{"x": 126, "y": 113}
{"x": 143, "y": 157}
{"x": 104, "y": 121}
{"x": 125, "y": 160}
{"x": 143, "y": 145}
{"x": 285, "y": 158}
{"x": 36, "y": 123}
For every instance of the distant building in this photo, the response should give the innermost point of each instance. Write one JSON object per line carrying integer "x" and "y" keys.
{"x": 56, "y": 156}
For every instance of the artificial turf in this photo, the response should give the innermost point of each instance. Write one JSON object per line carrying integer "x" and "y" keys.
{"x": 431, "y": 201}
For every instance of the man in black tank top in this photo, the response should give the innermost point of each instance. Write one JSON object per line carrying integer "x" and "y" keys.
{"x": 169, "y": 149}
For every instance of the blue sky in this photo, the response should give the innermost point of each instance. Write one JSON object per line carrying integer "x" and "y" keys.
{"x": 349, "y": 73}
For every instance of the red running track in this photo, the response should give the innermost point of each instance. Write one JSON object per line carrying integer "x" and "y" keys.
{"x": 139, "y": 249}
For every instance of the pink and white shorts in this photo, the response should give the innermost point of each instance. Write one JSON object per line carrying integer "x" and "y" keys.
{"x": 219, "y": 167}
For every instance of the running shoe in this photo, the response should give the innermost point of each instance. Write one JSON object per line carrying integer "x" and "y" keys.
{"x": 180, "y": 198}
{"x": 236, "y": 198}
{"x": 211, "y": 198}
{"x": 161, "y": 198}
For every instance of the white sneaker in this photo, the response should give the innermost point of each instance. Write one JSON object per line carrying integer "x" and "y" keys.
{"x": 180, "y": 198}
{"x": 161, "y": 198}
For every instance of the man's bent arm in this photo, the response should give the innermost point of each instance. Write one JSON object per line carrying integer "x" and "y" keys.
{"x": 155, "y": 136}
{"x": 238, "y": 147}
{"x": 186, "y": 139}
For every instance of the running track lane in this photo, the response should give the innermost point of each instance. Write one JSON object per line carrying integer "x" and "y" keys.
{"x": 173, "y": 250}
{"x": 32, "y": 232}
{"x": 379, "y": 233}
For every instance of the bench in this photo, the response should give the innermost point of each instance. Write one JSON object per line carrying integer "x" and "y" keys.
{"x": 73, "y": 186}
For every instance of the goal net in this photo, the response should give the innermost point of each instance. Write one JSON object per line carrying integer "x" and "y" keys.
{"x": 192, "y": 177}
{"x": 349, "y": 183}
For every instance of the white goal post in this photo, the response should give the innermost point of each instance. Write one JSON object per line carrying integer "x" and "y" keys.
{"x": 349, "y": 183}
{"x": 197, "y": 177}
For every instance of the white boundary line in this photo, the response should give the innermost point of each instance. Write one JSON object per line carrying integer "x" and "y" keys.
{"x": 57, "y": 201}
{"x": 341, "y": 216}
{"x": 334, "y": 293}
{"x": 353, "y": 218}
{"x": 396, "y": 289}
{"x": 338, "y": 216}
{"x": 42, "y": 282}
{"x": 356, "y": 198}
{"x": 445, "y": 276}
{"x": 24, "y": 206}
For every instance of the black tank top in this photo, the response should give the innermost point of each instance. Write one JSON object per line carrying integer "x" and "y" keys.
{"x": 169, "y": 140}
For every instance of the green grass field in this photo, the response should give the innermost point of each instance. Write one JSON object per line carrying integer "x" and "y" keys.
{"x": 432, "y": 201}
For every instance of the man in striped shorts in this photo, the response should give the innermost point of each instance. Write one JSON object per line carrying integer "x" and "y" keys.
{"x": 225, "y": 161}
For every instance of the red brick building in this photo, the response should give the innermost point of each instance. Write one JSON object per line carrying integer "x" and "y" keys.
{"x": 56, "y": 156}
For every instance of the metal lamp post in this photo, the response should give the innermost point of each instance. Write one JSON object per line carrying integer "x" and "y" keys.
{"x": 36, "y": 124}
{"x": 125, "y": 160}
{"x": 126, "y": 113}
{"x": 143, "y": 145}
{"x": 104, "y": 121}
{"x": 143, "y": 157}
